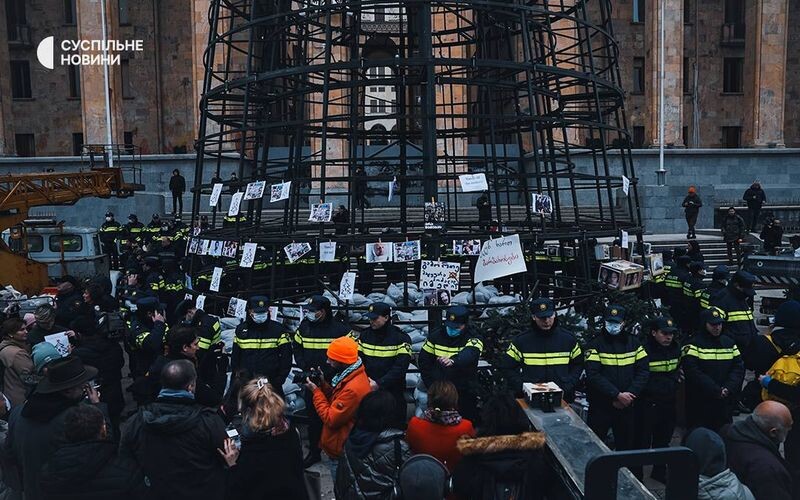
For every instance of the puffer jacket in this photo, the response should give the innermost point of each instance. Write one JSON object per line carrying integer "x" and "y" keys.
{"x": 337, "y": 407}
{"x": 370, "y": 464}
{"x": 723, "y": 486}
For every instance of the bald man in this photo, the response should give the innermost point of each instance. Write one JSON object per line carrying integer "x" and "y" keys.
{"x": 753, "y": 451}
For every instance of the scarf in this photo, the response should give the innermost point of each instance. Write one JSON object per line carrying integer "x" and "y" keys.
{"x": 173, "y": 393}
{"x": 347, "y": 371}
{"x": 443, "y": 417}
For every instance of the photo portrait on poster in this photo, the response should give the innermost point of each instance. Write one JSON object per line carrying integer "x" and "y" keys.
{"x": 280, "y": 191}
{"x": 435, "y": 213}
{"x": 466, "y": 247}
{"x": 542, "y": 204}
{"x": 205, "y": 245}
{"x": 406, "y": 251}
{"x": 229, "y": 249}
{"x": 440, "y": 275}
{"x": 610, "y": 277}
{"x": 216, "y": 191}
{"x": 295, "y": 251}
{"x": 255, "y": 190}
{"x": 194, "y": 243}
{"x": 379, "y": 252}
{"x": 236, "y": 202}
{"x": 231, "y": 310}
{"x": 216, "y": 248}
{"x": 321, "y": 212}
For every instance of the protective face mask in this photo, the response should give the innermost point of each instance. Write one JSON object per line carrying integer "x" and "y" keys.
{"x": 260, "y": 317}
{"x": 453, "y": 332}
{"x": 312, "y": 316}
{"x": 613, "y": 328}
{"x": 108, "y": 219}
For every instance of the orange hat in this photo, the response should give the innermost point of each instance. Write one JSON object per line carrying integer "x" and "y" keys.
{"x": 692, "y": 189}
{"x": 343, "y": 350}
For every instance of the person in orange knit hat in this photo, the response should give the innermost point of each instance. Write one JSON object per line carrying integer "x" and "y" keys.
{"x": 337, "y": 402}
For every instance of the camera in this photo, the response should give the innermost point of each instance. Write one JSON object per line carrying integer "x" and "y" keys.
{"x": 313, "y": 374}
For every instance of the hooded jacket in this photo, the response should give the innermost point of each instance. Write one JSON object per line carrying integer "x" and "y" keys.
{"x": 692, "y": 204}
{"x": 175, "y": 442}
{"x": 91, "y": 470}
{"x": 337, "y": 406}
{"x": 754, "y": 457}
{"x": 311, "y": 340}
{"x": 717, "y": 481}
{"x": 501, "y": 467}
{"x": 723, "y": 486}
{"x": 370, "y": 465}
{"x": 754, "y": 196}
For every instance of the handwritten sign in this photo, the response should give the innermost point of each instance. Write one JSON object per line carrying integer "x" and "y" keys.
{"x": 236, "y": 202}
{"x": 248, "y": 255}
{"x": 216, "y": 191}
{"x": 327, "y": 251}
{"x": 439, "y": 275}
{"x": 241, "y": 309}
{"x": 624, "y": 239}
{"x": 255, "y": 190}
{"x": 216, "y": 278}
{"x": 60, "y": 341}
{"x": 347, "y": 286}
{"x": 500, "y": 257}
{"x": 473, "y": 182}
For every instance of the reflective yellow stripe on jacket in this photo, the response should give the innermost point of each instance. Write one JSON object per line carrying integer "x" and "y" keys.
{"x": 449, "y": 352}
{"x": 739, "y": 316}
{"x": 216, "y": 337}
{"x": 384, "y": 351}
{"x": 543, "y": 358}
{"x": 663, "y": 366}
{"x": 721, "y": 354}
{"x": 261, "y": 343}
{"x": 687, "y": 291}
{"x": 613, "y": 359}
{"x": 673, "y": 282}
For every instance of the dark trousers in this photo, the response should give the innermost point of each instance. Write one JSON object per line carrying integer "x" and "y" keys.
{"x": 691, "y": 221}
{"x": 110, "y": 248}
{"x": 731, "y": 245}
{"x": 314, "y": 425}
{"x": 712, "y": 414}
{"x": 401, "y": 407}
{"x": 177, "y": 203}
{"x": 655, "y": 423}
{"x": 753, "y": 219}
{"x": 604, "y": 417}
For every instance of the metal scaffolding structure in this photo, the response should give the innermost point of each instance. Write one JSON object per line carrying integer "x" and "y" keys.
{"x": 344, "y": 97}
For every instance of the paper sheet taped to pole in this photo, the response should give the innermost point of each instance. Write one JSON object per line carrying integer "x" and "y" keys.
{"x": 500, "y": 257}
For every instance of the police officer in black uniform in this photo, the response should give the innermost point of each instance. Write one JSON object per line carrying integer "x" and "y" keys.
{"x": 110, "y": 234}
{"x": 152, "y": 231}
{"x": 262, "y": 346}
{"x": 693, "y": 287}
{"x": 545, "y": 353}
{"x": 133, "y": 229}
{"x": 386, "y": 353}
{"x": 146, "y": 337}
{"x": 209, "y": 330}
{"x": 719, "y": 280}
{"x": 153, "y": 279}
{"x": 736, "y": 302}
{"x": 452, "y": 354}
{"x": 318, "y": 328}
{"x": 616, "y": 375}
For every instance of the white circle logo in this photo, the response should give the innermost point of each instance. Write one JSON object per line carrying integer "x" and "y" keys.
{"x": 44, "y": 52}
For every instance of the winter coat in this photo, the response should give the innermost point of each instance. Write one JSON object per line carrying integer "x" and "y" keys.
{"x": 664, "y": 372}
{"x": 692, "y": 204}
{"x": 337, "y": 406}
{"x": 91, "y": 470}
{"x": 38, "y": 332}
{"x": 723, "y": 486}
{"x": 733, "y": 228}
{"x": 18, "y": 370}
{"x": 464, "y": 350}
{"x": 36, "y": 431}
{"x": 756, "y": 461}
{"x": 614, "y": 364}
{"x": 772, "y": 235}
{"x": 739, "y": 323}
{"x": 264, "y": 349}
{"x": 386, "y": 353}
{"x": 311, "y": 340}
{"x": 175, "y": 442}
{"x": 269, "y": 467}
{"x": 484, "y": 208}
{"x": 105, "y": 355}
{"x": 438, "y": 440}
{"x": 370, "y": 464}
{"x": 177, "y": 184}
{"x": 754, "y": 197}
{"x": 210, "y": 384}
{"x": 501, "y": 467}
{"x": 711, "y": 364}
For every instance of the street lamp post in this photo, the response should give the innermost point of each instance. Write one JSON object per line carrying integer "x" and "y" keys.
{"x": 661, "y": 173}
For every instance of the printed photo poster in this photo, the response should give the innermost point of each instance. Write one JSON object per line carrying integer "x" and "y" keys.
{"x": 327, "y": 251}
{"x": 542, "y": 204}
{"x": 393, "y": 188}
{"x": 626, "y": 185}
{"x": 473, "y": 182}
{"x": 216, "y": 279}
{"x": 440, "y": 275}
{"x": 435, "y": 213}
{"x": 194, "y": 245}
{"x": 241, "y": 309}
{"x": 434, "y": 297}
{"x": 347, "y": 286}
{"x": 280, "y": 191}
{"x": 229, "y": 249}
{"x": 248, "y": 255}
{"x": 295, "y": 251}
{"x": 205, "y": 246}
{"x": 500, "y": 257}
{"x": 466, "y": 247}
{"x": 197, "y": 229}
{"x": 231, "y": 310}
{"x": 406, "y": 251}
{"x": 216, "y": 192}
{"x": 60, "y": 341}
{"x": 200, "y": 302}
{"x": 216, "y": 248}
{"x": 379, "y": 252}
{"x": 255, "y": 190}
{"x": 321, "y": 212}
{"x": 236, "y": 202}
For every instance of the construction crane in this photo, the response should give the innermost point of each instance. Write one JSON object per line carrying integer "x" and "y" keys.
{"x": 21, "y": 192}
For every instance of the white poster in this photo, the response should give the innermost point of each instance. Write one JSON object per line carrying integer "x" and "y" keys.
{"x": 295, "y": 251}
{"x": 280, "y": 191}
{"x": 392, "y": 188}
{"x": 347, "y": 286}
{"x": 60, "y": 341}
{"x": 194, "y": 245}
{"x": 255, "y": 190}
{"x": 229, "y": 249}
{"x": 439, "y": 275}
{"x": 241, "y": 309}
{"x": 216, "y": 248}
{"x": 624, "y": 240}
{"x": 248, "y": 255}
{"x": 215, "y": 279}
{"x": 406, "y": 251}
{"x": 216, "y": 191}
{"x": 541, "y": 204}
{"x": 200, "y": 302}
{"x": 321, "y": 212}
{"x": 327, "y": 251}
{"x": 500, "y": 257}
{"x": 626, "y": 185}
{"x": 236, "y": 202}
{"x": 379, "y": 252}
{"x": 231, "y": 311}
{"x": 473, "y": 182}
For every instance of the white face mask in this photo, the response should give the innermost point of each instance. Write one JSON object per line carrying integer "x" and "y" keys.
{"x": 260, "y": 317}
{"x": 108, "y": 219}
{"x": 613, "y": 328}
{"x": 312, "y": 316}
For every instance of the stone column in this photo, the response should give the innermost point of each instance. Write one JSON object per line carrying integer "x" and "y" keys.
{"x": 93, "y": 103}
{"x": 765, "y": 74}
{"x": 7, "y": 145}
{"x": 673, "y": 65}
{"x": 200, "y": 30}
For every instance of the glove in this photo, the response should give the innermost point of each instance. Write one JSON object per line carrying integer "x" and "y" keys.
{"x": 765, "y": 380}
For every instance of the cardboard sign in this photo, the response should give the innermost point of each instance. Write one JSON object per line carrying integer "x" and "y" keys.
{"x": 473, "y": 182}
{"x": 60, "y": 341}
{"x": 347, "y": 286}
{"x": 248, "y": 255}
{"x": 216, "y": 278}
{"x": 216, "y": 191}
{"x": 236, "y": 202}
{"x": 500, "y": 257}
{"x": 255, "y": 190}
{"x": 327, "y": 251}
{"x": 439, "y": 275}
{"x": 280, "y": 191}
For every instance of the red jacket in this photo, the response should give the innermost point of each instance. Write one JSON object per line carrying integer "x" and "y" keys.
{"x": 337, "y": 407}
{"x": 438, "y": 440}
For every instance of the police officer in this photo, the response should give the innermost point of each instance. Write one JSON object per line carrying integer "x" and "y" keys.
{"x": 692, "y": 289}
{"x": 545, "y": 353}
{"x": 317, "y": 330}
{"x": 386, "y": 353}
{"x": 719, "y": 280}
{"x": 262, "y": 346}
{"x": 153, "y": 230}
{"x": 655, "y": 409}
{"x": 132, "y": 230}
{"x": 146, "y": 337}
{"x": 153, "y": 279}
{"x": 452, "y": 354}
{"x": 110, "y": 234}
{"x": 714, "y": 373}
{"x": 179, "y": 236}
{"x": 674, "y": 281}
{"x": 616, "y": 375}
{"x": 209, "y": 330}
{"x": 735, "y": 301}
